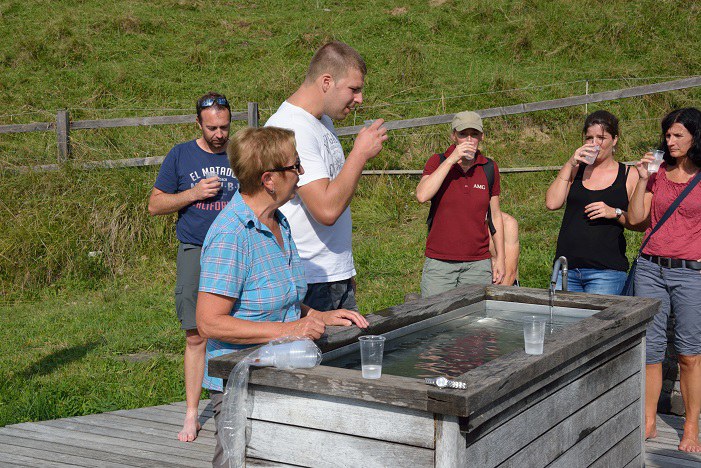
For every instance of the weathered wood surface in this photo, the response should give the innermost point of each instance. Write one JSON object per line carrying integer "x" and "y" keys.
{"x": 146, "y": 121}
{"x": 606, "y": 437}
{"x": 662, "y": 450}
{"x": 626, "y": 453}
{"x": 391, "y": 125}
{"x": 563, "y": 436}
{"x": 109, "y": 164}
{"x": 501, "y": 409}
{"x": 30, "y": 127}
{"x": 343, "y": 415}
{"x": 63, "y": 139}
{"x": 449, "y": 443}
{"x": 116, "y": 123}
{"x": 502, "y": 170}
{"x": 309, "y": 447}
{"x": 156, "y": 160}
{"x": 637, "y": 462}
{"x": 511, "y": 436}
{"x": 253, "y": 116}
{"x": 40, "y": 449}
{"x": 619, "y": 319}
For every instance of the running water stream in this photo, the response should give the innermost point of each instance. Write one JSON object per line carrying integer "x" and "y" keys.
{"x": 551, "y": 301}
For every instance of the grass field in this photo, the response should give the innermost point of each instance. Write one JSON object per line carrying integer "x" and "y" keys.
{"x": 86, "y": 314}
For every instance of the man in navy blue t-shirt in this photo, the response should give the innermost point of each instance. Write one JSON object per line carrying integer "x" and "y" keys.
{"x": 196, "y": 181}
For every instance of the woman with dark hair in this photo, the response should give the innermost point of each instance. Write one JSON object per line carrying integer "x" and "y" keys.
{"x": 596, "y": 189}
{"x": 669, "y": 267}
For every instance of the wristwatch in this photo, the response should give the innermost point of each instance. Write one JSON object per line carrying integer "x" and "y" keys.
{"x": 442, "y": 382}
{"x": 619, "y": 212}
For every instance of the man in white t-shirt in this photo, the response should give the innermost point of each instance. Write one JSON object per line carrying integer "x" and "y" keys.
{"x": 319, "y": 215}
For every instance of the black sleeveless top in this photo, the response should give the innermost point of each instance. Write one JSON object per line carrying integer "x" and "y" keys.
{"x": 598, "y": 243}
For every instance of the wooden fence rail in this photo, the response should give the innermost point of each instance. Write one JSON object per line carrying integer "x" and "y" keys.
{"x": 63, "y": 125}
{"x": 540, "y": 105}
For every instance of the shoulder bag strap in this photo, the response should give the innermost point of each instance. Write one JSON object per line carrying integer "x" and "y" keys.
{"x": 675, "y": 204}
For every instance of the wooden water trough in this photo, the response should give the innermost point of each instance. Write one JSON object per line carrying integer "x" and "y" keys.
{"x": 578, "y": 404}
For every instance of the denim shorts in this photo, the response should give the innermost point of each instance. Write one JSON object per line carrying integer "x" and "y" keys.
{"x": 679, "y": 290}
{"x": 331, "y": 296}
{"x": 593, "y": 281}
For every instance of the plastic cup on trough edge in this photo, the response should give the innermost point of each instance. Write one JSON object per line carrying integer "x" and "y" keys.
{"x": 534, "y": 333}
{"x": 371, "y": 351}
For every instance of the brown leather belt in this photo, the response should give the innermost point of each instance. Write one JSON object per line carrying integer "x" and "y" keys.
{"x": 672, "y": 262}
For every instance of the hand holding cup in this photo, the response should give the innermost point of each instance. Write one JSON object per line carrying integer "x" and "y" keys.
{"x": 642, "y": 165}
{"x": 654, "y": 165}
{"x": 369, "y": 141}
{"x": 206, "y": 188}
{"x": 466, "y": 149}
{"x": 590, "y": 153}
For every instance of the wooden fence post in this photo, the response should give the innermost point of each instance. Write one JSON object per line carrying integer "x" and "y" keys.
{"x": 63, "y": 137}
{"x": 253, "y": 114}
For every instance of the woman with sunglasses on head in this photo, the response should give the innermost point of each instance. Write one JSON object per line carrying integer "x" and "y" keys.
{"x": 669, "y": 267}
{"x": 252, "y": 280}
{"x": 595, "y": 190}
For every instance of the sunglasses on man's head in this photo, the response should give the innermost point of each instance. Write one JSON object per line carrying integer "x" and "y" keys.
{"x": 210, "y": 101}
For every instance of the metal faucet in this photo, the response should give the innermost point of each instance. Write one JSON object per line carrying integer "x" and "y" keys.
{"x": 559, "y": 263}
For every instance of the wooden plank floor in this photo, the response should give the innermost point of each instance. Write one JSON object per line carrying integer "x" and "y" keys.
{"x": 144, "y": 437}
{"x": 147, "y": 437}
{"x": 662, "y": 451}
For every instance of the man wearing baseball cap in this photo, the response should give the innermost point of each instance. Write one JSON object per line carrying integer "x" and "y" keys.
{"x": 462, "y": 185}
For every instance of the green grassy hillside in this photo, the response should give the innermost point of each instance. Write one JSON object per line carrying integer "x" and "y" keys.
{"x": 86, "y": 314}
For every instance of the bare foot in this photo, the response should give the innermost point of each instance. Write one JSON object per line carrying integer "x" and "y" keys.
{"x": 689, "y": 444}
{"x": 651, "y": 430}
{"x": 690, "y": 439}
{"x": 190, "y": 427}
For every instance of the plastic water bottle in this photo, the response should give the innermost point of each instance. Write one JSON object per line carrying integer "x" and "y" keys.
{"x": 299, "y": 354}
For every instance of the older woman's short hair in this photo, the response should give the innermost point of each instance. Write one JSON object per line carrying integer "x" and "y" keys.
{"x": 252, "y": 151}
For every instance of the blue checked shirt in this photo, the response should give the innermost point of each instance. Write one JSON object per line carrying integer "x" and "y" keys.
{"x": 241, "y": 259}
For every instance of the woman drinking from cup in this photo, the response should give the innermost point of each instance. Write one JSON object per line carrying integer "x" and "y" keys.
{"x": 252, "y": 282}
{"x": 596, "y": 190}
{"x": 669, "y": 267}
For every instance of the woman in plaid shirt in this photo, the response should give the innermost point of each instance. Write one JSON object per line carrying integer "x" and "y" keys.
{"x": 252, "y": 281}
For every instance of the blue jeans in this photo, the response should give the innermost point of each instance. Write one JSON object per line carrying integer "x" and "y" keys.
{"x": 593, "y": 281}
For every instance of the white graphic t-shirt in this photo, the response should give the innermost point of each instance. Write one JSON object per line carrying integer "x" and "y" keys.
{"x": 325, "y": 250}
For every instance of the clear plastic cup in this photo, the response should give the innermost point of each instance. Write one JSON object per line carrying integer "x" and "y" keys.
{"x": 654, "y": 166}
{"x": 371, "y": 351}
{"x": 534, "y": 333}
{"x": 592, "y": 154}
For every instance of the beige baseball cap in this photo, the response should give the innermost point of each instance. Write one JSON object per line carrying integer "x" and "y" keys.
{"x": 467, "y": 119}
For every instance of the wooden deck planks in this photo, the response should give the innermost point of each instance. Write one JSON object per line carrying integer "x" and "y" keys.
{"x": 146, "y": 437}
